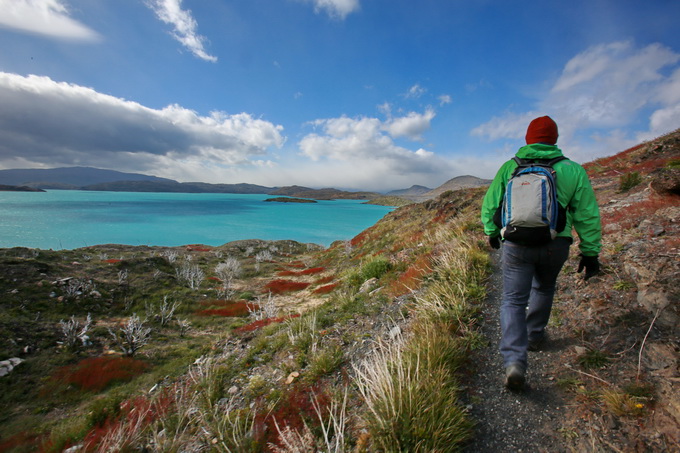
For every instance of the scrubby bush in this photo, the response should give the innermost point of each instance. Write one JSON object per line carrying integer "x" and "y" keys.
{"x": 227, "y": 271}
{"x": 190, "y": 274}
{"x": 75, "y": 333}
{"x": 629, "y": 180}
{"x": 132, "y": 336}
{"x": 164, "y": 312}
{"x": 375, "y": 268}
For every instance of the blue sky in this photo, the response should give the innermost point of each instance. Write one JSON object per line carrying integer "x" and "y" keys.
{"x": 353, "y": 94}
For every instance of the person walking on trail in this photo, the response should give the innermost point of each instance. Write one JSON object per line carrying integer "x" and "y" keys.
{"x": 532, "y": 256}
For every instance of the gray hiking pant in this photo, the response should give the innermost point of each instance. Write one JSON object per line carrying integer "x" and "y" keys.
{"x": 529, "y": 278}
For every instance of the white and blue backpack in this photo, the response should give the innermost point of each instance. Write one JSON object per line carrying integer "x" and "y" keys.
{"x": 529, "y": 213}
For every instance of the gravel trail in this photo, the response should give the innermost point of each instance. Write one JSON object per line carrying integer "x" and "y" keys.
{"x": 506, "y": 421}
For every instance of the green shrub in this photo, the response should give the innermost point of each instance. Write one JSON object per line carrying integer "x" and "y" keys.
{"x": 324, "y": 362}
{"x": 629, "y": 180}
{"x": 375, "y": 268}
{"x": 623, "y": 285}
{"x": 593, "y": 358}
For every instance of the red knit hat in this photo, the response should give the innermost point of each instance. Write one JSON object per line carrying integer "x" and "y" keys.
{"x": 542, "y": 130}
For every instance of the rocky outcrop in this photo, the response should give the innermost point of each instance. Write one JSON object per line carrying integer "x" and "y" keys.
{"x": 6, "y": 366}
{"x": 666, "y": 181}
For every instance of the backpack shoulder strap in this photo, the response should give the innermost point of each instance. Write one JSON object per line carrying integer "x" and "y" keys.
{"x": 521, "y": 165}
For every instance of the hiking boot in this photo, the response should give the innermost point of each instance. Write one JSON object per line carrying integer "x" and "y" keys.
{"x": 536, "y": 344}
{"x": 514, "y": 377}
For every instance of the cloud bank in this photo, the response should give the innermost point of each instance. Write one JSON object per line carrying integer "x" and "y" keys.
{"x": 45, "y": 123}
{"x": 367, "y": 149}
{"x": 48, "y": 18}
{"x": 61, "y": 124}
{"x": 337, "y": 9}
{"x": 600, "y": 96}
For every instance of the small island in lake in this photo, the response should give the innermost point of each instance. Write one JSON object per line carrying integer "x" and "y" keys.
{"x": 290, "y": 200}
{"x": 6, "y": 188}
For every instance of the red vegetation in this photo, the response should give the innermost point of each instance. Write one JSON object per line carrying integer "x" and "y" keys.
{"x": 359, "y": 238}
{"x": 112, "y": 261}
{"x": 325, "y": 289}
{"x": 263, "y": 322}
{"x": 323, "y": 280}
{"x": 633, "y": 159}
{"x": 310, "y": 271}
{"x": 135, "y": 415}
{"x": 23, "y": 441}
{"x": 197, "y": 248}
{"x": 281, "y": 286}
{"x": 96, "y": 373}
{"x": 229, "y": 309}
{"x": 411, "y": 278}
{"x": 611, "y": 162}
{"x": 633, "y": 214}
{"x": 297, "y": 264}
{"x": 293, "y": 410}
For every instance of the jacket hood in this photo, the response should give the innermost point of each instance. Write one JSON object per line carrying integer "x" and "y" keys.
{"x": 539, "y": 151}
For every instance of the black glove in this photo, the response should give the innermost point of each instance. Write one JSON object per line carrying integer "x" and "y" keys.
{"x": 495, "y": 242}
{"x": 591, "y": 264}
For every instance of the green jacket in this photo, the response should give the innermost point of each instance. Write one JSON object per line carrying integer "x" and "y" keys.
{"x": 574, "y": 193}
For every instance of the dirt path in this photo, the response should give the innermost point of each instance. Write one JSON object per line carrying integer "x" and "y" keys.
{"x": 506, "y": 421}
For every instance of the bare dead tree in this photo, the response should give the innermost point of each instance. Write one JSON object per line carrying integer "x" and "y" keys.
{"x": 191, "y": 274}
{"x": 227, "y": 271}
{"x": 263, "y": 255}
{"x": 162, "y": 313}
{"x": 75, "y": 333}
{"x": 131, "y": 336}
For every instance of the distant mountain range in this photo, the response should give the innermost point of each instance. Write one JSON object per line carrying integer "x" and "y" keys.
{"x": 88, "y": 178}
{"x": 457, "y": 183}
{"x": 412, "y": 191}
{"x": 69, "y": 177}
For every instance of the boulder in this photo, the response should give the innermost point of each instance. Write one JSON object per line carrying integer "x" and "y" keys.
{"x": 368, "y": 285}
{"x": 6, "y": 366}
{"x": 666, "y": 181}
{"x": 658, "y": 301}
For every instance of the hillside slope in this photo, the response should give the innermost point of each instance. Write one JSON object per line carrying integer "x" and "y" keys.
{"x": 260, "y": 327}
{"x": 457, "y": 183}
{"x": 622, "y": 365}
{"x": 73, "y": 177}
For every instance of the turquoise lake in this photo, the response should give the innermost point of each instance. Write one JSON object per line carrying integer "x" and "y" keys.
{"x": 68, "y": 219}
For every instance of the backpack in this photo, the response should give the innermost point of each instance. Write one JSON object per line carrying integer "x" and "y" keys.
{"x": 529, "y": 213}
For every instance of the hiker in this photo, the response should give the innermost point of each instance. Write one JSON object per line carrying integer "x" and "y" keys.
{"x": 532, "y": 256}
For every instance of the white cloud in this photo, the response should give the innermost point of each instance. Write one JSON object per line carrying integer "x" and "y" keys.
{"x": 602, "y": 92}
{"x": 58, "y": 124}
{"x": 43, "y": 17}
{"x": 385, "y": 108}
{"x": 669, "y": 90}
{"x": 445, "y": 99}
{"x": 364, "y": 146}
{"x": 664, "y": 120}
{"x": 411, "y": 125}
{"x": 415, "y": 92}
{"x": 509, "y": 126}
{"x": 607, "y": 85}
{"x": 171, "y": 12}
{"x": 337, "y": 9}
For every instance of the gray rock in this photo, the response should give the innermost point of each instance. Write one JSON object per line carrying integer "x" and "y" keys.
{"x": 6, "y": 366}
{"x": 659, "y": 356}
{"x": 368, "y": 285}
{"x": 657, "y": 301}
